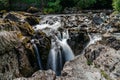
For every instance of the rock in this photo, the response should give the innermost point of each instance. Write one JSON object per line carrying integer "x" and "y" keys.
{"x": 78, "y": 69}
{"x": 8, "y": 40}
{"x": 43, "y": 46}
{"x": 15, "y": 57}
{"x": 40, "y": 75}
{"x": 105, "y": 58}
{"x": 112, "y": 42}
{"x": 25, "y": 28}
{"x": 32, "y": 20}
{"x": 79, "y": 38}
{"x": 14, "y": 16}
{"x": 32, "y": 10}
{"x": 8, "y": 25}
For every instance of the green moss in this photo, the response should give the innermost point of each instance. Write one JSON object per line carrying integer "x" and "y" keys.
{"x": 89, "y": 62}
{"x": 105, "y": 75}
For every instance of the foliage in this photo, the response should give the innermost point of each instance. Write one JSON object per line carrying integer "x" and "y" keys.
{"x": 53, "y": 6}
{"x": 84, "y": 3}
{"x": 116, "y": 5}
{"x": 4, "y": 4}
{"x": 89, "y": 62}
{"x": 103, "y": 73}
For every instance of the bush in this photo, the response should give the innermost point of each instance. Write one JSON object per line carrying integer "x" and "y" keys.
{"x": 84, "y": 3}
{"x": 116, "y": 5}
{"x": 4, "y": 4}
{"x": 53, "y": 6}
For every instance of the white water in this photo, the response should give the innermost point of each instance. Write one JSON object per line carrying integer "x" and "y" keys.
{"x": 60, "y": 51}
{"x": 94, "y": 37}
{"x": 37, "y": 55}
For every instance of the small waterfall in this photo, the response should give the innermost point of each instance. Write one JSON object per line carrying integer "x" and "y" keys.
{"x": 94, "y": 37}
{"x": 55, "y": 58}
{"x": 37, "y": 55}
{"x": 60, "y": 53}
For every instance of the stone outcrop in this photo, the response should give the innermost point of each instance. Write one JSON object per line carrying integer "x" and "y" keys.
{"x": 40, "y": 75}
{"x": 79, "y": 38}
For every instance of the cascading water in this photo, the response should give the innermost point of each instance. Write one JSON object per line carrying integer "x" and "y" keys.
{"x": 94, "y": 37}
{"x": 37, "y": 54}
{"x": 60, "y": 51}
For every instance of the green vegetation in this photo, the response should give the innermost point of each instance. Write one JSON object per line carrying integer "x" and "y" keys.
{"x": 89, "y": 62}
{"x": 84, "y": 3}
{"x": 116, "y": 5}
{"x": 4, "y": 4}
{"x": 53, "y": 6}
{"x": 105, "y": 75}
{"x": 56, "y": 6}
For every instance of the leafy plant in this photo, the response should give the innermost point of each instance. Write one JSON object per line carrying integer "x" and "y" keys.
{"x": 4, "y": 4}
{"x": 84, "y": 3}
{"x": 53, "y": 6}
{"x": 116, "y": 5}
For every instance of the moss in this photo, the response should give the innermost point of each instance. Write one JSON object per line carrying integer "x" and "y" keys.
{"x": 89, "y": 62}
{"x": 103, "y": 73}
{"x": 26, "y": 29}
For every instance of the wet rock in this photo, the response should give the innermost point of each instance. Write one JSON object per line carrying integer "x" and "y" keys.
{"x": 79, "y": 38}
{"x": 32, "y": 20}
{"x": 40, "y": 75}
{"x": 25, "y": 28}
{"x": 32, "y": 10}
{"x": 43, "y": 44}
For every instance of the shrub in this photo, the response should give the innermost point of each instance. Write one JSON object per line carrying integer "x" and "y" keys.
{"x": 4, "y": 4}
{"x": 84, "y": 3}
{"x": 116, "y": 5}
{"x": 53, "y": 6}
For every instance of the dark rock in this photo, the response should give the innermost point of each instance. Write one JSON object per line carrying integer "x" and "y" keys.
{"x": 14, "y": 16}
{"x": 43, "y": 46}
{"x": 32, "y": 20}
{"x": 32, "y": 10}
{"x": 79, "y": 38}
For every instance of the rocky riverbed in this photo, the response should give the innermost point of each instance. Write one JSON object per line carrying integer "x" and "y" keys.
{"x": 93, "y": 38}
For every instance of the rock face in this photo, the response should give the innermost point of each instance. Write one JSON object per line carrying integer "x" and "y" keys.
{"x": 79, "y": 38}
{"x": 105, "y": 58}
{"x": 40, "y": 75}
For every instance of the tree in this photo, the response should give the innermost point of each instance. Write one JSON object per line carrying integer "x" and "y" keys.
{"x": 116, "y": 5}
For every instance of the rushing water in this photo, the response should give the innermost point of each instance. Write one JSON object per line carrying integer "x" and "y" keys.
{"x": 37, "y": 54}
{"x": 60, "y": 51}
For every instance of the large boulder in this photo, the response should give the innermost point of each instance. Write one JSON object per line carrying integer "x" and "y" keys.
{"x": 105, "y": 58}
{"x": 22, "y": 17}
{"x": 14, "y": 56}
{"x": 40, "y": 75}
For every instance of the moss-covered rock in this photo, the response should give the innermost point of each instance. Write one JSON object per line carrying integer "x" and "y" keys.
{"x": 25, "y": 28}
{"x": 32, "y": 20}
{"x": 32, "y": 10}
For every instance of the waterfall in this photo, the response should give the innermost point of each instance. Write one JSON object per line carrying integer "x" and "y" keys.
{"x": 94, "y": 37}
{"x": 37, "y": 55}
{"x": 60, "y": 52}
{"x": 55, "y": 58}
